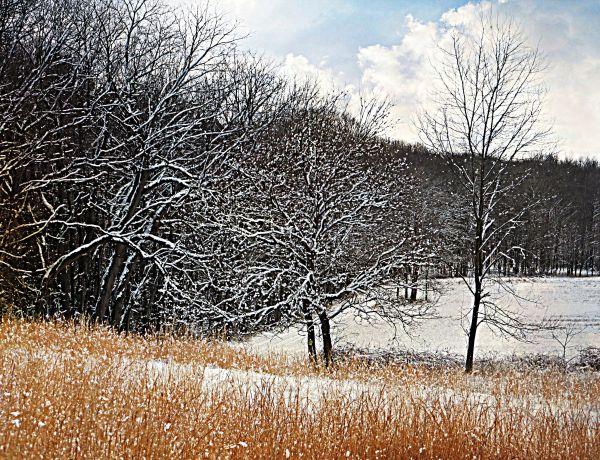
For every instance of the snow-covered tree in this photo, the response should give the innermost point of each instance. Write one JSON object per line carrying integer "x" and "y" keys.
{"x": 41, "y": 82}
{"x": 319, "y": 219}
{"x": 487, "y": 115}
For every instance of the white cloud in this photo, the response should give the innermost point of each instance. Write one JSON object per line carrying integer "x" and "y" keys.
{"x": 298, "y": 66}
{"x": 403, "y": 71}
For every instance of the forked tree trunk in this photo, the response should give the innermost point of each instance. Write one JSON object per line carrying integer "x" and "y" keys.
{"x": 327, "y": 343}
{"x": 120, "y": 253}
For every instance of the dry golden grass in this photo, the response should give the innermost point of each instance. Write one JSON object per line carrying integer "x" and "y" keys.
{"x": 85, "y": 392}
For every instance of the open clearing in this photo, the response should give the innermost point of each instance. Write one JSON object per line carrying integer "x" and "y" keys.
{"x": 568, "y": 301}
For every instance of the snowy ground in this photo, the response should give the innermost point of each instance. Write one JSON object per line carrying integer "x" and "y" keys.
{"x": 573, "y": 302}
{"x": 313, "y": 389}
{"x": 316, "y": 389}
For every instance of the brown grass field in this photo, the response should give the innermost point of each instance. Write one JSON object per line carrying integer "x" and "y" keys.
{"x": 85, "y": 392}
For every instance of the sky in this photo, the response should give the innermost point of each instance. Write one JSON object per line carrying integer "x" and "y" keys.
{"x": 387, "y": 47}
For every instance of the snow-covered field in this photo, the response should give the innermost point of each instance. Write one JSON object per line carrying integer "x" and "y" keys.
{"x": 573, "y": 302}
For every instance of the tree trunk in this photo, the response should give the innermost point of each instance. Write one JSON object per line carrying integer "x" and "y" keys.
{"x": 310, "y": 332}
{"x": 413, "y": 294}
{"x": 473, "y": 329}
{"x": 326, "y": 333}
{"x": 478, "y": 271}
{"x": 413, "y": 282}
{"x": 427, "y": 284}
{"x": 121, "y": 308}
{"x": 113, "y": 273}
{"x": 151, "y": 304}
{"x": 120, "y": 253}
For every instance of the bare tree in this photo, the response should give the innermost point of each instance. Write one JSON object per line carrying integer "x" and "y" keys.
{"x": 39, "y": 91}
{"x": 564, "y": 332}
{"x": 487, "y": 115}
{"x": 321, "y": 199}
{"x": 165, "y": 107}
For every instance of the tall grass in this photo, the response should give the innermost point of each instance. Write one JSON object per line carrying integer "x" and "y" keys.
{"x": 85, "y": 392}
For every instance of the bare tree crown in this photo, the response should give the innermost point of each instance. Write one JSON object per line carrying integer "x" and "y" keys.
{"x": 490, "y": 95}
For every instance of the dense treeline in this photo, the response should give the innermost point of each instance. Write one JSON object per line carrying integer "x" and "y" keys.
{"x": 559, "y": 233}
{"x": 563, "y": 231}
{"x": 152, "y": 174}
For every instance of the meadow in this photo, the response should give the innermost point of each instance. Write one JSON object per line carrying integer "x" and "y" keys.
{"x": 83, "y": 391}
